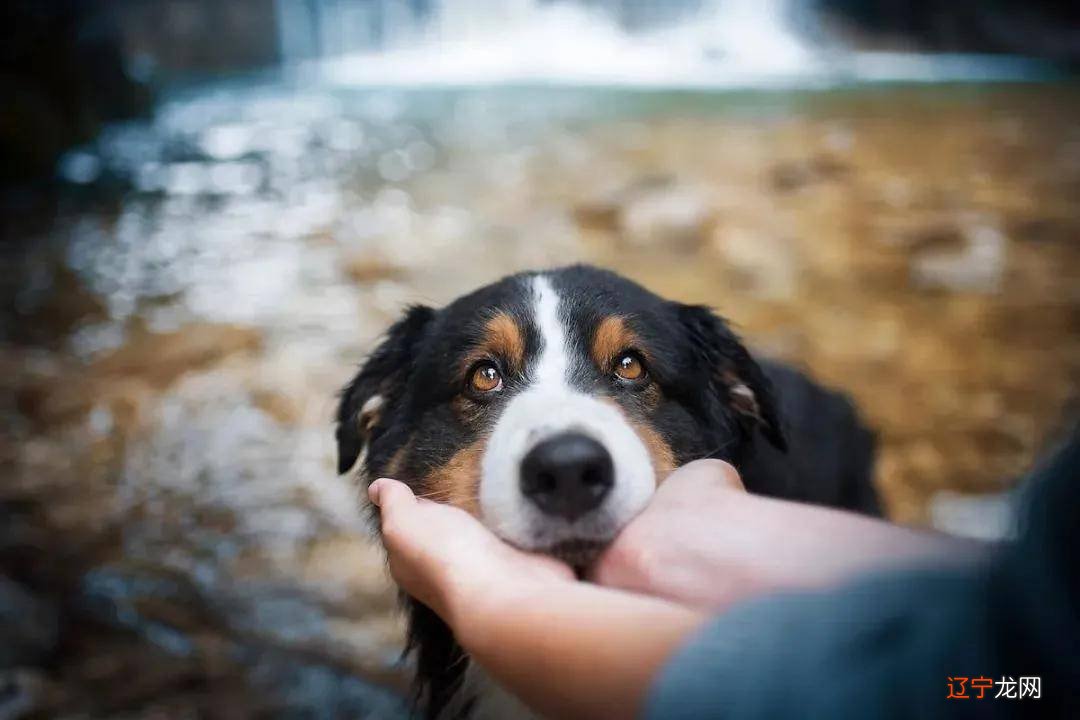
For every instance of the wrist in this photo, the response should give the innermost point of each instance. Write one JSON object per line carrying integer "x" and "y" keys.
{"x": 478, "y": 613}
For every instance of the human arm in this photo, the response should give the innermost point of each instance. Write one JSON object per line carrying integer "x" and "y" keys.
{"x": 900, "y": 643}
{"x": 705, "y": 542}
{"x": 883, "y": 644}
{"x": 568, "y": 649}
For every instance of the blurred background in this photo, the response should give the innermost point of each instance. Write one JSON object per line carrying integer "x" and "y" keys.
{"x": 211, "y": 210}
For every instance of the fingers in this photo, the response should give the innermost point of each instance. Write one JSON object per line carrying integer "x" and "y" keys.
{"x": 398, "y": 524}
{"x": 385, "y": 492}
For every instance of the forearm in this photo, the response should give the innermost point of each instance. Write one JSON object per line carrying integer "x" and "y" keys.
{"x": 805, "y": 545}
{"x": 579, "y": 651}
{"x": 761, "y": 545}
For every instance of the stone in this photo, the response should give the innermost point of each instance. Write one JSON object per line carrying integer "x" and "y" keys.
{"x": 367, "y": 268}
{"x": 603, "y": 211}
{"x": 977, "y": 266}
{"x": 767, "y": 264}
{"x": 678, "y": 218}
{"x": 793, "y": 175}
{"x": 280, "y": 406}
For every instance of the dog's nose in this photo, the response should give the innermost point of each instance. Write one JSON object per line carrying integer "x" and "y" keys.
{"x": 567, "y": 475}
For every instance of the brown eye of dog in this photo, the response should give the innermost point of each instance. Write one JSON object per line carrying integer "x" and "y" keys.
{"x": 486, "y": 378}
{"x": 629, "y": 367}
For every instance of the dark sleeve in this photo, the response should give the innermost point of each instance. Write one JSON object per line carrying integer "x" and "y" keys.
{"x": 885, "y": 646}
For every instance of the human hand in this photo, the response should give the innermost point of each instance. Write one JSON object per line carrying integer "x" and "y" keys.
{"x": 448, "y": 560}
{"x": 680, "y": 547}
{"x": 705, "y": 542}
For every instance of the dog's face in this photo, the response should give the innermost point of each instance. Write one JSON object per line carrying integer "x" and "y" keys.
{"x": 550, "y": 405}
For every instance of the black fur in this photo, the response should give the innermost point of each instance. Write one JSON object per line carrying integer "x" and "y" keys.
{"x": 715, "y": 400}
{"x": 721, "y": 358}
{"x": 386, "y": 372}
{"x": 440, "y": 661}
{"x": 830, "y": 458}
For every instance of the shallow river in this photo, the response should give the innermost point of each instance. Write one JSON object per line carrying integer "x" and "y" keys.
{"x": 173, "y": 341}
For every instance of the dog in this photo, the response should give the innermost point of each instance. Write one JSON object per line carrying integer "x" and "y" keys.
{"x": 550, "y": 404}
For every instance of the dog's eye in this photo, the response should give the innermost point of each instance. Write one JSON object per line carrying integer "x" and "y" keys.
{"x": 485, "y": 378}
{"x": 629, "y": 367}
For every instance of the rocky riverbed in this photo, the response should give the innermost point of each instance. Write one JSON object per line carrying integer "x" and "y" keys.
{"x": 173, "y": 538}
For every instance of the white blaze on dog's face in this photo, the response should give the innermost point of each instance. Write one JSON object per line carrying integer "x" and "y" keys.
{"x": 551, "y": 404}
{"x": 550, "y": 409}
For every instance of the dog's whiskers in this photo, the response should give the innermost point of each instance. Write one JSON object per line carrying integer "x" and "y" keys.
{"x": 437, "y": 495}
{"x": 711, "y": 453}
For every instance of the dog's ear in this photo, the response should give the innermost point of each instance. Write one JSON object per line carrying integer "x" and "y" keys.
{"x": 378, "y": 382}
{"x": 735, "y": 376}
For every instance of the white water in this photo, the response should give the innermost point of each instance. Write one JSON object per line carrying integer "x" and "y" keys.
{"x": 711, "y": 44}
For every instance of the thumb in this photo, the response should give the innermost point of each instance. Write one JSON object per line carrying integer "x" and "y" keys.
{"x": 702, "y": 474}
{"x": 395, "y": 500}
{"x": 386, "y": 493}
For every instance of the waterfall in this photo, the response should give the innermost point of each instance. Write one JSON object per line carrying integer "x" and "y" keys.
{"x": 326, "y": 28}
{"x": 755, "y": 33}
{"x": 309, "y": 29}
{"x": 640, "y": 43}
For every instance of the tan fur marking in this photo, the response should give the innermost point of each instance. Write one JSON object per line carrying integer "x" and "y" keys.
{"x": 506, "y": 339}
{"x": 396, "y": 463}
{"x": 502, "y": 339}
{"x": 457, "y": 482}
{"x": 612, "y": 336}
{"x": 663, "y": 459}
{"x": 660, "y": 453}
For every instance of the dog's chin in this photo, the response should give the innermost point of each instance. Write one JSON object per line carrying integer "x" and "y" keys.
{"x": 577, "y": 553}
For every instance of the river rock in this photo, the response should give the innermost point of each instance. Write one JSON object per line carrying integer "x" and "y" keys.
{"x": 976, "y": 266}
{"x": 604, "y": 210}
{"x": 678, "y": 218}
{"x": 792, "y": 175}
{"x": 368, "y": 268}
{"x": 652, "y": 211}
{"x": 766, "y": 263}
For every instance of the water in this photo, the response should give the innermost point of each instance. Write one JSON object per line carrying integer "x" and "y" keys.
{"x": 711, "y": 44}
{"x": 172, "y": 341}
